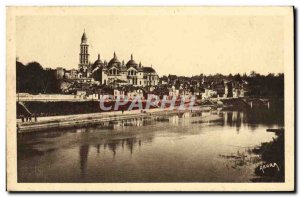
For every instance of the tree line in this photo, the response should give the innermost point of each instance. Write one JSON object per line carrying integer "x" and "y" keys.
{"x": 33, "y": 78}
{"x": 270, "y": 85}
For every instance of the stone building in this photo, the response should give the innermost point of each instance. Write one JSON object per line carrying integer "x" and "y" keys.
{"x": 60, "y": 72}
{"x": 112, "y": 73}
{"x": 131, "y": 73}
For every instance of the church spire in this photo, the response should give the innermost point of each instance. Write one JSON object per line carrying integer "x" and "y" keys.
{"x": 131, "y": 56}
{"x": 115, "y": 56}
{"x": 83, "y": 37}
{"x": 98, "y": 56}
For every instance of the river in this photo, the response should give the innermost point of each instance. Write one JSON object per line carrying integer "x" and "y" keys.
{"x": 204, "y": 147}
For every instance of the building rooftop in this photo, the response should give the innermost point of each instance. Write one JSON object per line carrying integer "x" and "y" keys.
{"x": 131, "y": 62}
{"x": 114, "y": 61}
{"x": 148, "y": 70}
{"x": 84, "y": 38}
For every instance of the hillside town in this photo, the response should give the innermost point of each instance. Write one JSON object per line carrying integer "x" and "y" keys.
{"x": 92, "y": 81}
{"x": 120, "y": 79}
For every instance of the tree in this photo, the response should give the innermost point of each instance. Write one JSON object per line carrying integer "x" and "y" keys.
{"x": 237, "y": 78}
{"x": 253, "y": 74}
{"x": 33, "y": 79}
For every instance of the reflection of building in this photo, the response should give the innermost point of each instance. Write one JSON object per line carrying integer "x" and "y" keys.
{"x": 83, "y": 154}
{"x": 113, "y": 145}
{"x": 235, "y": 119}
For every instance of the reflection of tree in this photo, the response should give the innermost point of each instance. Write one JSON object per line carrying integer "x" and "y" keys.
{"x": 267, "y": 117}
{"x": 98, "y": 148}
{"x": 254, "y": 117}
{"x": 83, "y": 154}
{"x": 229, "y": 118}
{"x": 113, "y": 146}
{"x": 129, "y": 143}
{"x": 123, "y": 141}
{"x": 238, "y": 121}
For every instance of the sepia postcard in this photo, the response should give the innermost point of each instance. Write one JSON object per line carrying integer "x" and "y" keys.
{"x": 150, "y": 99}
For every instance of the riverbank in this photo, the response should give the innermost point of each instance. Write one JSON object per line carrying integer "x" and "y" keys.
{"x": 62, "y": 107}
{"x": 61, "y": 114}
{"x": 78, "y": 120}
{"x": 272, "y": 167}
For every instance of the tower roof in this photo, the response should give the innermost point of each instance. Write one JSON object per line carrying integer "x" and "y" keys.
{"x": 83, "y": 38}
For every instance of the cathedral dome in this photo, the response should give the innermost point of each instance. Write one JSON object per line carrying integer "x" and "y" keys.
{"x": 131, "y": 62}
{"x": 114, "y": 61}
{"x": 97, "y": 63}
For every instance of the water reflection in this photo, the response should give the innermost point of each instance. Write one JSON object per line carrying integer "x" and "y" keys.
{"x": 83, "y": 154}
{"x": 113, "y": 146}
{"x": 251, "y": 119}
{"x": 191, "y": 144}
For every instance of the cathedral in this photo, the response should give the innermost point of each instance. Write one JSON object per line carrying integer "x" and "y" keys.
{"x": 114, "y": 72}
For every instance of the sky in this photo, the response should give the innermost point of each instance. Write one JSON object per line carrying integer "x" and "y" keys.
{"x": 173, "y": 44}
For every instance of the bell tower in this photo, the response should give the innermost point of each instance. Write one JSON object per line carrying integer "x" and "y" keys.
{"x": 84, "y": 54}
